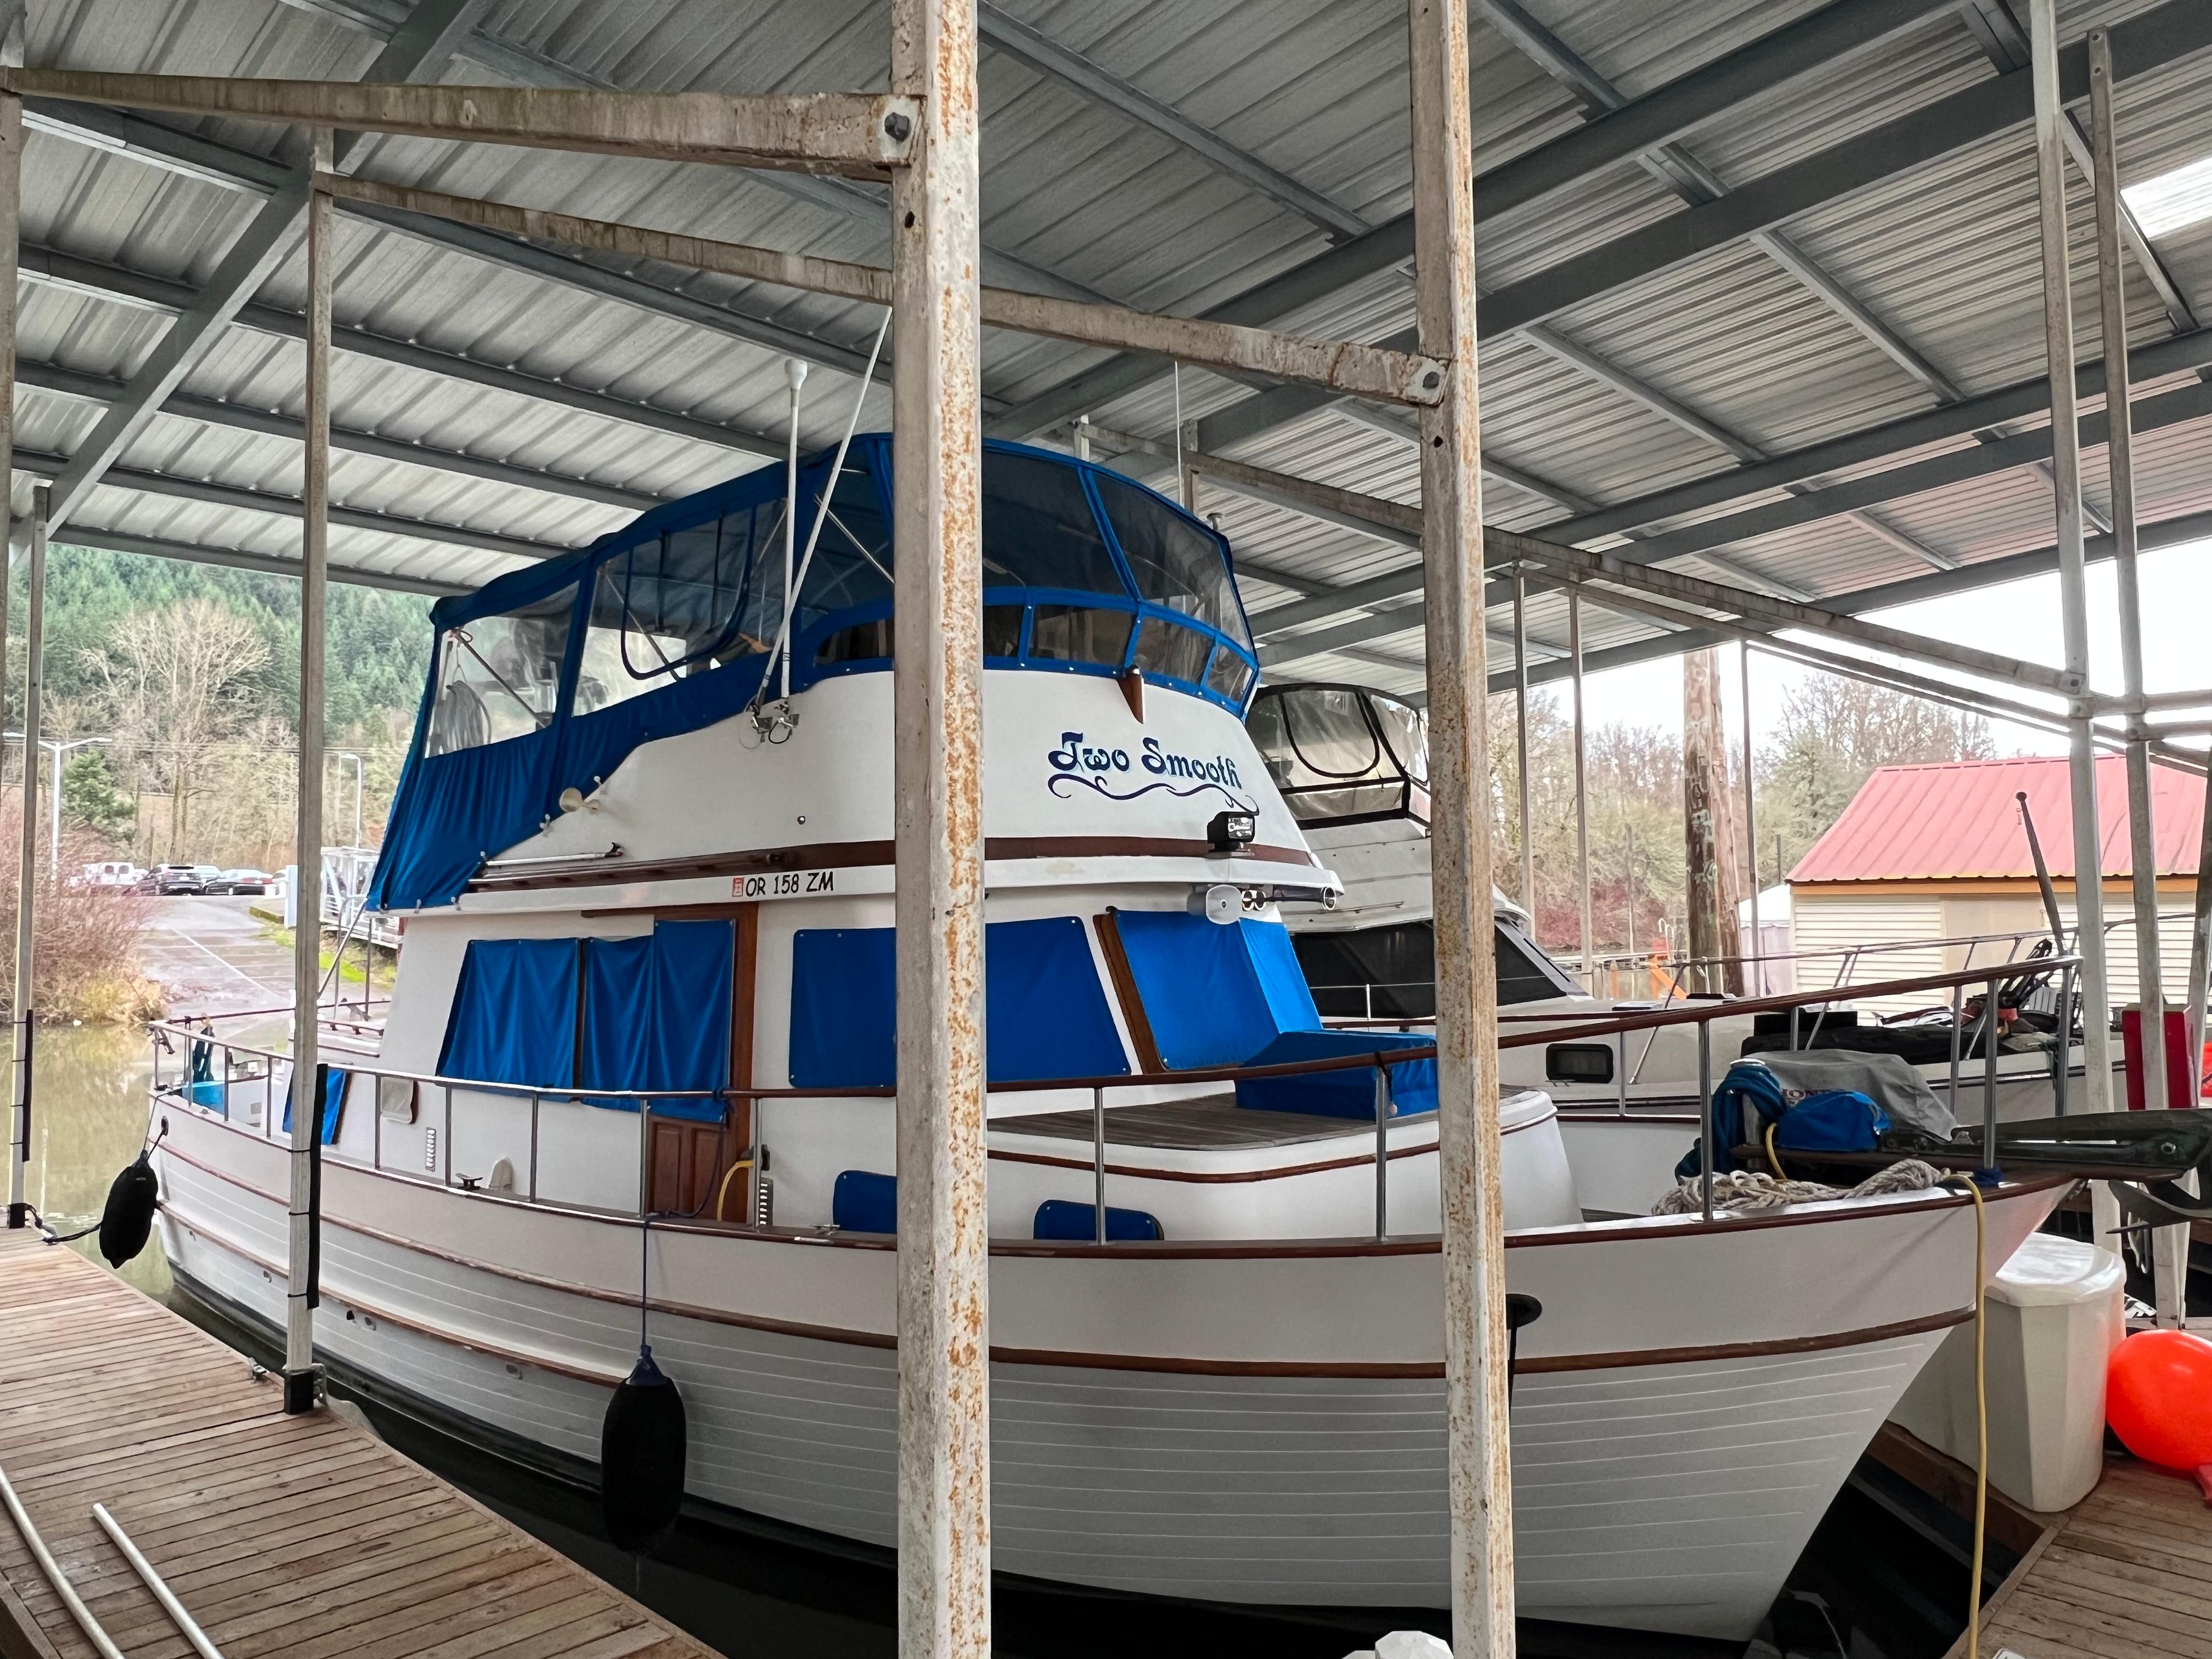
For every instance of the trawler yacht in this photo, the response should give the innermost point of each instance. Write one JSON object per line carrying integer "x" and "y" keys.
{"x": 638, "y": 1063}
{"x": 1351, "y": 764}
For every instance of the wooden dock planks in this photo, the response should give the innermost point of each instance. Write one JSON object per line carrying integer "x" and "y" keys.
{"x": 2125, "y": 1574}
{"x": 299, "y": 1537}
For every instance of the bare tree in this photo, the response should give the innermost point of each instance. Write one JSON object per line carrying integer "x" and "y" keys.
{"x": 179, "y": 681}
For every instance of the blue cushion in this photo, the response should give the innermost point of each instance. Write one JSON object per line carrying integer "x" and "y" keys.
{"x": 1346, "y": 1093}
{"x": 1060, "y": 1217}
{"x": 863, "y": 1202}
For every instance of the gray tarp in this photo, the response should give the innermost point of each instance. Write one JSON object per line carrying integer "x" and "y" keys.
{"x": 1890, "y": 1081}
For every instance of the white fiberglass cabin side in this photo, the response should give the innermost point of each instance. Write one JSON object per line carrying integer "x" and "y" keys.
{"x": 647, "y": 905}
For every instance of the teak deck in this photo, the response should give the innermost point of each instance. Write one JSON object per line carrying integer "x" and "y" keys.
{"x": 2125, "y": 1574}
{"x": 300, "y": 1536}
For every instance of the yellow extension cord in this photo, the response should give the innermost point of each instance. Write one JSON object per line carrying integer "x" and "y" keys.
{"x": 1981, "y": 1396}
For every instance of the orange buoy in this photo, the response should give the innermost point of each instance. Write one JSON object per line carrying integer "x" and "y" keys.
{"x": 2158, "y": 1398}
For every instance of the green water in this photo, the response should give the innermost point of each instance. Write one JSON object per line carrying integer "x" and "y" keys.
{"x": 88, "y": 1115}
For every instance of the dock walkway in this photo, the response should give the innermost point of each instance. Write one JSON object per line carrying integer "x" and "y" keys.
{"x": 2124, "y": 1574}
{"x": 303, "y": 1536}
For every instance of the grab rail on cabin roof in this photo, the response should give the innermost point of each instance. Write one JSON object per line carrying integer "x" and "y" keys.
{"x": 201, "y": 1047}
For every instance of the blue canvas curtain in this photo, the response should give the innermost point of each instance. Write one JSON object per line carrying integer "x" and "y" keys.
{"x": 1214, "y": 995}
{"x": 657, "y": 1015}
{"x": 514, "y": 1014}
{"x": 1045, "y": 1011}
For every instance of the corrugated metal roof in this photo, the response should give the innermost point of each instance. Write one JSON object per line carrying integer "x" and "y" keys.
{"x": 1959, "y": 820}
{"x": 1079, "y": 196}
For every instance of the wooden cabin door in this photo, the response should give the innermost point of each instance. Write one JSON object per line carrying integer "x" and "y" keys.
{"x": 686, "y": 1162}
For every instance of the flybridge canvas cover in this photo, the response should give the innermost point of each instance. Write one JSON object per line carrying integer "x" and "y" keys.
{"x": 548, "y": 678}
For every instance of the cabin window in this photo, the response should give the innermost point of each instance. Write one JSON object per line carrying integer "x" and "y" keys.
{"x": 1038, "y": 528}
{"x": 1002, "y": 630}
{"x": 1178, "y": 566}
{"x": 499, "y": 676}
{"x": 1231, "y": 677}
{"x": 1172, "y": 650}
{"x": 862, "y": 642}
{"x": 1390, "y": 972}
{"x": 1046, "y": 1007}
{"x": 852, "y": 563}
{"x": 1074, "y": 633}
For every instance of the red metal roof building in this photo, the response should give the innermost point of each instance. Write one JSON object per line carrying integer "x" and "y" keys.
{"x": 1959, "y": 821}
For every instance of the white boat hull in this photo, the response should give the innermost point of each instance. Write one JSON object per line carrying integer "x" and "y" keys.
{"x": 1258, "y": 1424}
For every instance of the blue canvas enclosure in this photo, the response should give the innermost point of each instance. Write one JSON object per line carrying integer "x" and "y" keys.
{"x": 1348, "y": 1093}
{"x": 513, "y": 1019}
{"x": 1045, "y": 1012}
{"x": 334, "y": 1094}
{"x": 547, "y": 678}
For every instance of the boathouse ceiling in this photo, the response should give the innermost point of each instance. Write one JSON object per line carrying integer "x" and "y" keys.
{"x": 1761, "y": 285}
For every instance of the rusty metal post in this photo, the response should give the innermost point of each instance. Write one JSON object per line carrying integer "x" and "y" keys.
{"x": 944, "y": 1343}
{"x": 1477, "y": 1380}
{"x": 11, "y": 204}
{"x": 302, "y": 1380}
{"x": 27, "y": 886}
{"x": 2073, "y": 583}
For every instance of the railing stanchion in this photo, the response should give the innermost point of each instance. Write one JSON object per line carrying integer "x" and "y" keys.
{"x": 1620, "y": 1074}
{"x": 536, "y": 1101}
{"x": 1958, "y": 1024}
{"x": 2062, "y": 1053}
{"x": 1706, "y": 1118}
{"x": 1988, "y": 1174}
{"x": 446, "y": 1140}
{"x": 1382, "y": 1149}
{"x": 1098, "y": 1165}
{"x": 376, "y": 1124}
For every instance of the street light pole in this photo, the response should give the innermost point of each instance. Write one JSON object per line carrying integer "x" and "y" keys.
{"x": 59, "y": 751}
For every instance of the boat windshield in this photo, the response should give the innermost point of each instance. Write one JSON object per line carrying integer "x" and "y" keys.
{"x": 1390, "y": 972}
{"x": 1343, "y": 754}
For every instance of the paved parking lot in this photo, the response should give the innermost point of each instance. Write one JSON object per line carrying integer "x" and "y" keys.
{"x": 213, "y": 956}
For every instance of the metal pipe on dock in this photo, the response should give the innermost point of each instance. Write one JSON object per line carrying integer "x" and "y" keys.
{"x": 70, "y": 1599}
{"x": 154, "y": 1581}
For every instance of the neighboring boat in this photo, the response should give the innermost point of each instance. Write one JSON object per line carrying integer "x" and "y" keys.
{"x": 1352, "y": 764}
{"x": 631, "y": 871}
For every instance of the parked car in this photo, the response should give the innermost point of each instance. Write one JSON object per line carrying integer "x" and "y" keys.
{"x": 239, "y": 881}
{"x": 171, "y": 879}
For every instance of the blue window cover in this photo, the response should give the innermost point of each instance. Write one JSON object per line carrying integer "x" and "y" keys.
{"x": 656, "y": 1015}
{"x": 1214, "y": 995}
{"x": 843, "y": 1029}
{"x": 452, "y": 811}
{"x": 1045, "y": 1010}
{"x": 514, "y": 1014}
{"x": 334, "y": 1093}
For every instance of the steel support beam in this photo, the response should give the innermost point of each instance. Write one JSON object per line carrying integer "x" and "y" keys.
{"x": 233, "y": 558}
{"x": 1037, "y": 51}
{"x": 11, "y": 216}
{"x": 944, "y": 1335}
{"x": 2050, "y": 90}
{"x": 1477, "y": 1380}
{"x": 1338, "y": 366}
{"x": 1797, "y": 49}
{"x": 70, "y": 383}
{"x": 301, "y": 1377}
{"x": 2145, "y": 43}
{"x": 422, "y": 47}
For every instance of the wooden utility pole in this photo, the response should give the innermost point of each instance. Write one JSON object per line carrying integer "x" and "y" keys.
{"x": 1713, "y": 856}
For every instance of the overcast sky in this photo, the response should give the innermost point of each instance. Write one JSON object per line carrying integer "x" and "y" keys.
{"x": 2020, "y": 619}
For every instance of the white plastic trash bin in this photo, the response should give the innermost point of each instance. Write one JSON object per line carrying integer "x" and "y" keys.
{"x": 2055, "y": 1316}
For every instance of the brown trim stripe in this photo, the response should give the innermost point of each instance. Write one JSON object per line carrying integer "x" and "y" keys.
{"x": 857, "y": 854}
{"x": 1167, "y": 1364}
